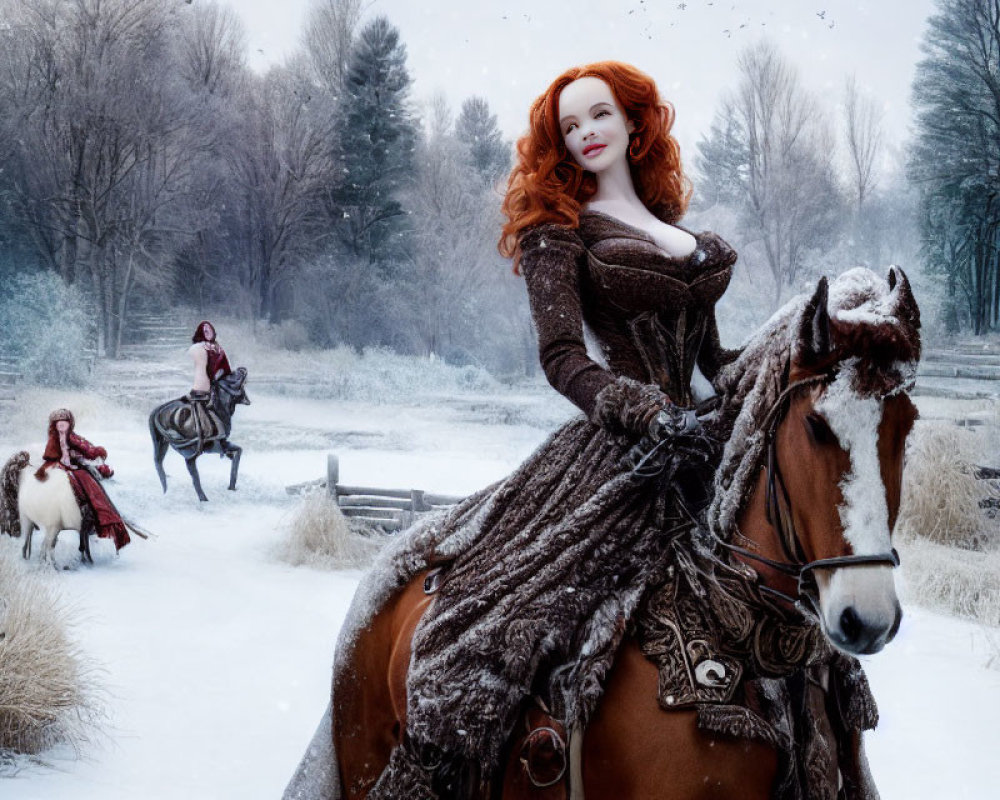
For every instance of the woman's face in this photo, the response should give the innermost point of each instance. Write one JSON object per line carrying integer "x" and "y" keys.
{"x": 594, "y": 126}
{"x": 208, "y": 332}
{"x": 62, "y": 425}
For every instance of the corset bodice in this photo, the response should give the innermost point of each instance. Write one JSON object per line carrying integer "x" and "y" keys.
{"x": 649, "y": 310}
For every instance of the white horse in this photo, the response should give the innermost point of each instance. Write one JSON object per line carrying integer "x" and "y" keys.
{"x": 48, "y": 505}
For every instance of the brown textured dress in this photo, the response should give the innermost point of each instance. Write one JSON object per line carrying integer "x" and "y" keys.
{"x": 546, "y": 567}
{"x": 545, "y": 571}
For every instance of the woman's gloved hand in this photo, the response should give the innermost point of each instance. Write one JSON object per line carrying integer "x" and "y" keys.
{"x": 678, "y": 448}
{"x": 672, "y": 422}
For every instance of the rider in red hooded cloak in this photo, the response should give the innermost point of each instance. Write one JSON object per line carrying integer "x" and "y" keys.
{"x": 66, "y": 450}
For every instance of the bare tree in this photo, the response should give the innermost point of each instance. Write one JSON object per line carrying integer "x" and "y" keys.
{"x": 452, "y": 229}
{"x": 863, "y": 129}
{"x": 281, "y": 167}
{"x": 328, "y": 37}
{"x": 212, "y": 48}
{"x": 105, "y": 145}
{"x": 469, "y": 306}
{"x": 772, "y": 139}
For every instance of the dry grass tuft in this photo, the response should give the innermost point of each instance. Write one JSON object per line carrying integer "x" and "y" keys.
{"x": 319, "y": 535}
{"x": 949, "y": 545}
{"x": 47, "y": 691}
{"x": 959, "y": 582}
{"x": 941, "y": 494}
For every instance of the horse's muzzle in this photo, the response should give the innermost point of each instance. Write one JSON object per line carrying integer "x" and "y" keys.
{"x": 859, "y": 608}
{"x": 860, "y": 636}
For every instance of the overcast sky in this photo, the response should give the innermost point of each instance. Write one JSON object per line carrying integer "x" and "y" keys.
{"x": 509, "y": 51}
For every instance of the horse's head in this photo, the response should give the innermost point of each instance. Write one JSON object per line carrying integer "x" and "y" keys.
{"x": 827, "y": 496}
{"x": 232, "y": 391}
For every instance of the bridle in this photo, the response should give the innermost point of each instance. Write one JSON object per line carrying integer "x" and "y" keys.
{"x": 779, "y": 515}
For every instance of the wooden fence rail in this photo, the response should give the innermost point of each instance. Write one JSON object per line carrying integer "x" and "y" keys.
{"x": 389, "y": 509}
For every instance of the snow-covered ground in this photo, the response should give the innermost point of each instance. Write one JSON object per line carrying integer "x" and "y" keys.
{"x": 215, "y": 658}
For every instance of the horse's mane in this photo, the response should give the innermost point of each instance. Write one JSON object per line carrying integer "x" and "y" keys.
{"x": 875, "y": 325}
{"x": 749, "y": 386}
{"x": 10, "y": 522}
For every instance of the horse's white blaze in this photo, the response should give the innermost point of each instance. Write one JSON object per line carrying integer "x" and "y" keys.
{"x": 854, "y": 419}
{"x": 864, "y": 514}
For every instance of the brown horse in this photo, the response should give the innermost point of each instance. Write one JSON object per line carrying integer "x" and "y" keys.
{"x": 815, "y": 416}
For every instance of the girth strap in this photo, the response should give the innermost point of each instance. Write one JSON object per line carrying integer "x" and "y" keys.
{"x": 540, "y": 763}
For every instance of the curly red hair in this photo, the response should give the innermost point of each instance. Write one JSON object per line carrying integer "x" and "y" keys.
{"x": 547, "y": 185}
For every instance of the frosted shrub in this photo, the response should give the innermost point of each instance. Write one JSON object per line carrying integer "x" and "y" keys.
{"x": 319, "y": 535}
{"x": 941, "y": 494}
{"x": 960, "y": 582}
{"x": 288, "y": 335}
{"x": 43, "y": 324}
{"x": 46, "y": 685}
{"x": 399, "y": 376}
{"x": 948, "y": 544}
{"x": 376, "y": 375}
{"x": 379, "y": 375}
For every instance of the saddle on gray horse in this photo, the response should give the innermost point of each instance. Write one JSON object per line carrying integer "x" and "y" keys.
{"x": 194, "y": 420}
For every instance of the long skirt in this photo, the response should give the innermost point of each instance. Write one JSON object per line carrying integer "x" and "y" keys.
{"x": 108, "y": 521}
{"x": 543, "y": 571}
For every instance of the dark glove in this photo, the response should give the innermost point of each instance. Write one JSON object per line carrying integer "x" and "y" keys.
{"x": 673, "y": 430}
{"x": 626, "y": 407}
{"x": 678, "y": 448}
{"x": 105, "y": 471}
{"x": 673, "y": 422}
{"x": 101, "y": 452}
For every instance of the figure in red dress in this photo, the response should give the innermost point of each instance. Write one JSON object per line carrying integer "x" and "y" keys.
{"x": 210, "y": 364}
{"x": 69, "y": 451}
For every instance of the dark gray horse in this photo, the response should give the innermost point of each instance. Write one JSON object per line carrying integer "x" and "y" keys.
{"x": 176, "y": 424}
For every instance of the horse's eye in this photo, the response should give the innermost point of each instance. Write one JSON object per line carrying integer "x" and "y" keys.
{"x": 819, "y": 430}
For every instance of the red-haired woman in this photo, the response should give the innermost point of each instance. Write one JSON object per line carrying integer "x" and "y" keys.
{"x": 210, "y": 361}
{"x": 210, "y": 364}
{"x": 67, "y": 450}
{"x": 544, "y": 570}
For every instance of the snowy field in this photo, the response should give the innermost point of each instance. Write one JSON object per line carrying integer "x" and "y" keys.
{"x": 214, "y": 658}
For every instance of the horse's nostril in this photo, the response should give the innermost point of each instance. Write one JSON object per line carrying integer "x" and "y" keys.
{"x": 850, "y": 624}
{"x": 895, "y": 624}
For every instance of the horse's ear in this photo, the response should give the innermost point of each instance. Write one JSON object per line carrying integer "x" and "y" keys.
{"x": 814, "y": 330}
{"x": 905, "y": 305}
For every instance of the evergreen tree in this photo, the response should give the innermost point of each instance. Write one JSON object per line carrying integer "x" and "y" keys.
{"x": 376, "y": 136}
{"x": 477, "y": 129}
{"x": 955, "y": 159}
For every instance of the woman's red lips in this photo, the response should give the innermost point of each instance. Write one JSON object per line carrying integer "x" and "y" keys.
{"x": 590, "y": 148}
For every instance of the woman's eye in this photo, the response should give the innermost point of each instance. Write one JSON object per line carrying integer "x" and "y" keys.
{"x": 819, "y": 430}
{"x": 601, "y": 113}
{"x": 569, "y": 128}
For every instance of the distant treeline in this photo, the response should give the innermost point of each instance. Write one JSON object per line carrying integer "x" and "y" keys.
{"x": 145, "y": 165}
{"x": 814, "y": 191}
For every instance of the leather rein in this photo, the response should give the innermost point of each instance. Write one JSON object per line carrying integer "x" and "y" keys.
{"x": 779, "y": 515}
